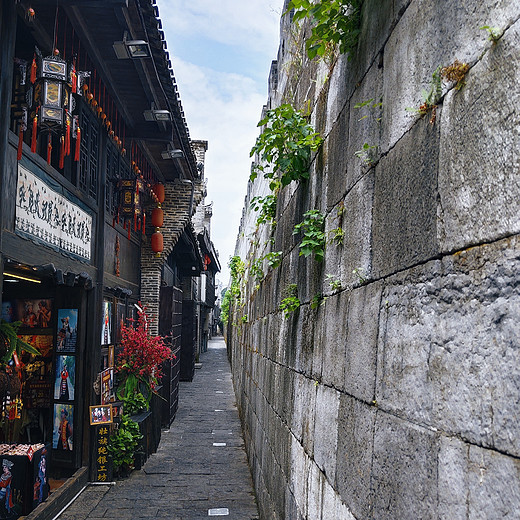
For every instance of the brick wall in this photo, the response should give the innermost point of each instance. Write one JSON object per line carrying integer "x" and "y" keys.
{"x": 176, "y": 217}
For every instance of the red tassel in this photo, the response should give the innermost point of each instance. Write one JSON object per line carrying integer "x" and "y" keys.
{"x": 62, "y": 152}
{"x": 34, "y": 68}
{"x": 49, "y": 149}
{"x": 114, "y": 222}
{"x": 78, "y": 142}
{"x": 67, "y": 139}
{"x": 118, "y": 217}
{"x": 143, "y": 225}
{"x": 34, "y": 134}
{"x": 135, "y": 221}
{"x": 20, "y": 143}
{"x": 74, "y": 80}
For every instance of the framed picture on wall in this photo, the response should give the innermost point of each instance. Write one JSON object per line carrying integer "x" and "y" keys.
{"x": 62, "y": 436}
{"x": 120, "y": 320}
{"x": 101, "y": 414}
{"x": 106, "y": 328}
{"x": 34, "y": 313}
{"x": 67, "y": 330}
{"x": 65, "y": 381}
{"x": 8, "y": 312}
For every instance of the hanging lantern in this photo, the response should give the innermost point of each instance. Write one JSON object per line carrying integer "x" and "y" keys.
{"x": 130, "y": 197}
{"x": 52, "y": 92}
{"x": 157, "y": 243}
{"x": 158, "y": 189}
{"x": 157, "y": 217}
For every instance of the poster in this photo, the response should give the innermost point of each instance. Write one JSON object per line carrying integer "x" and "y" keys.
{"x": 106, "y": 329}
{"x": 120, "y": 320}
{"x": 67, "y": 330}
{"x": 34, "y": 313}
{"x": 63, "y": 424}
{"x": 40, "y": 478}
{"x": 103, "y": 463}
{"x": 65, "y": 382}
{"x": 8, "y": 312}
{"x": 42, "y": 343}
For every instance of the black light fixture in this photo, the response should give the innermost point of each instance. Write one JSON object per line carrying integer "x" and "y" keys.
{"x": 157, "y": 115}
{"x": 135, "y": 49}
{"x": 172, "y": 153}
{"x": 58, "y": 276}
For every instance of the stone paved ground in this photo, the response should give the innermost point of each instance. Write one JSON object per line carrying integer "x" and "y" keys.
{"x": 189, "y": 475}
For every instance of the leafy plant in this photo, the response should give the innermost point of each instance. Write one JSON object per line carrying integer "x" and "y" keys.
{"x": 317, "y": 300}
{"x": 224, "y": 307}
{"x": 284, "y": 146}
{"x": 367, "y": 153}
{"x": 370, "y": 104}
{"x": 335, "y": 22}
{"x": 274, "y": 259}
{"x": 334, "y": 283}
{"x": 337, "y": 236}
{"x": 455, "y": 72}
{"x": 430, "y": 97}
{"x": 256, "y": 270}
{"x": 266, "y": 206}
{"x": 244, "y": 318}
{"x": 291, "y": 302}
{"x": 123, "y": 444}
{"x": 12, "y": 343}
{"x": 135, "y": 403}
{"x": 358, "y": 272}
{"x": 494, "y": 33}
{"x": 313, "y": 234}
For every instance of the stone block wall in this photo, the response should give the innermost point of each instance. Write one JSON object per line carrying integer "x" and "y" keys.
{"x": 399, "y": 397}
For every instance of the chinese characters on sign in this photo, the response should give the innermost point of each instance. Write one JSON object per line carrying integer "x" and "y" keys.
{"x": 103, "y": 466}
{"x": 49, "y": 217}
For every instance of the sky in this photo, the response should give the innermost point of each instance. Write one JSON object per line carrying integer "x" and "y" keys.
{"x": 221, "y": 52}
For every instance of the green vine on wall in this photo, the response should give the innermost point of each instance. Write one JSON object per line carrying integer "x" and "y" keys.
{"x": 237, "y": 269}
{"x": 284, "y": 147}
{"x": 335, "y": 22}
{"x": 312, "y": 229}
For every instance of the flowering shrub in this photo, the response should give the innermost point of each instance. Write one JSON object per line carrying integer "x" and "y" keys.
{"x": 141, "y": 356}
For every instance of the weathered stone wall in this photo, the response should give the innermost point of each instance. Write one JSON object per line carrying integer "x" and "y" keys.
{"x": 399, "y": 397}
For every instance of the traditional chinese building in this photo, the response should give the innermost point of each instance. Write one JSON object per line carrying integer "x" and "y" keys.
{"x": 99, "y": 182}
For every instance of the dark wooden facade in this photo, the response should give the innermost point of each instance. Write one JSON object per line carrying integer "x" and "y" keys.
{"x": 108, "y": 278}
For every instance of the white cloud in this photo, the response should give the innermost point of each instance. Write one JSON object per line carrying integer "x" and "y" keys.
{"x": 250, "y": 23}
{"x": 223, "y": 108}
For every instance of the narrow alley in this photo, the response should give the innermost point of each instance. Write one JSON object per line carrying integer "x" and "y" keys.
{"x": 200, "y": 469}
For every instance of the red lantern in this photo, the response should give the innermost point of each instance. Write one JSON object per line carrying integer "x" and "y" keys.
{"x": 157, "y": 243}
{"x": 157, "y": 217}
{"x": 158, "y": 189}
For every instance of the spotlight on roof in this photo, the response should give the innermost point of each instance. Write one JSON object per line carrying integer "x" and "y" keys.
{"x": 131, "y": 49}
{"x": 171, "y": 153}
{"x": 157, "y": 115}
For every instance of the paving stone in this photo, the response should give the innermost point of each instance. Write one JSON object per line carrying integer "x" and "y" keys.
{"x": 188, "y": 475}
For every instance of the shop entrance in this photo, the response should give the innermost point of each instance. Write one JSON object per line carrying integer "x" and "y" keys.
{"x": 42, "y": 401}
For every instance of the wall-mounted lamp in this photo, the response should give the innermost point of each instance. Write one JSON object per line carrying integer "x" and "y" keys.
{"x": 171, "y": 153}
{"x": 131, "y": 49}
{"x": 157, "y": 115}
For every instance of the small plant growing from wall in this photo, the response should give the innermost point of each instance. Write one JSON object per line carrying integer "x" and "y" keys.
{"x": 336, "y": 236}
{"x": 284, "y": 146}
{"x": 274, "y": 259}
{"x": 291, "y": 302}
{"x": 334, "y": 283}
{"x": 456, "y": 72}
{"x": 313, "y": 234}
{"x": 367, "y": 154}
{"x": 430, "y": 97}
{"x": 494, "y": 33}
{"x": 256, "y": 270}
{"x": 334, "y": 23}
{"x": 371, "y": 105}
{"x": 318, "y": 300}
{"x": 266, "y": 206}
{"x": 360, "y": 275}
{"x": 232, "y": 295}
